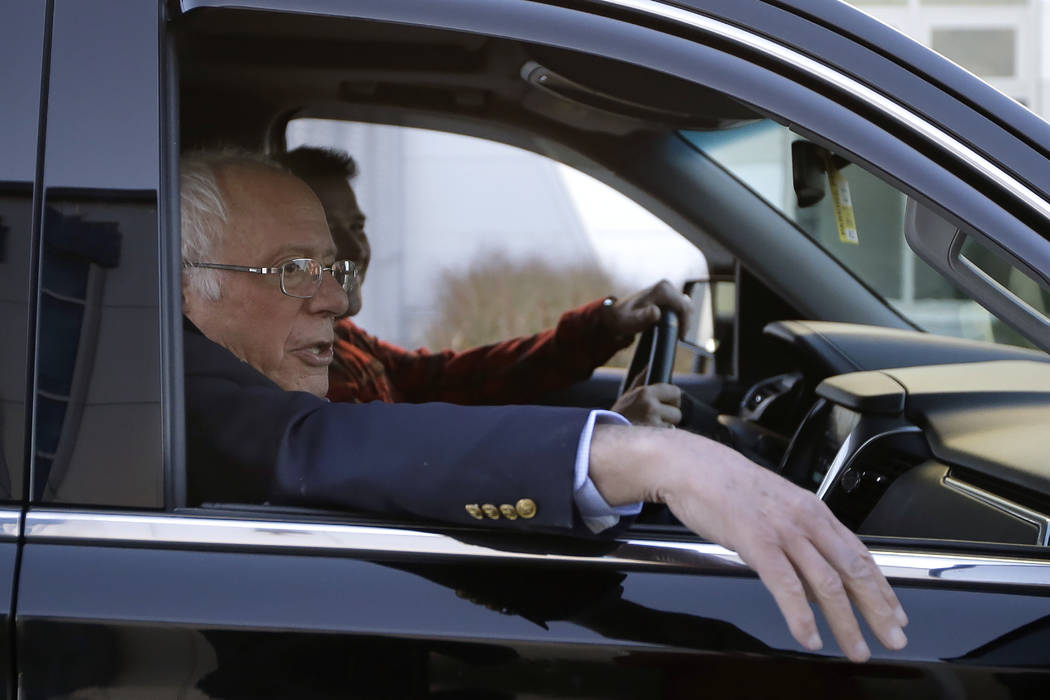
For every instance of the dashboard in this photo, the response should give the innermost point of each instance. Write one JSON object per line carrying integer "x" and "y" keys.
{"x": 951, "y": 444}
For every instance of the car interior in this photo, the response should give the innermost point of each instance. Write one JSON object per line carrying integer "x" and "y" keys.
{"x": 812, "y": 370}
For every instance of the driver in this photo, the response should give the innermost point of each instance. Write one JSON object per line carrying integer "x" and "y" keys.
{"x": 520, "y": 370}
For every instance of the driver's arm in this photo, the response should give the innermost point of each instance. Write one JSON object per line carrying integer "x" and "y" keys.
{"x": 518, "y": 370}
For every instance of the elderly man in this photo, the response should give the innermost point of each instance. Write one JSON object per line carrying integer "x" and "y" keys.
{"x": 520, "y": 370}
{"x": 262, "y": 290}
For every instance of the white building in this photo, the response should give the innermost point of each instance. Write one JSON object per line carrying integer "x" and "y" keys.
{"x": 1001, "y": 41}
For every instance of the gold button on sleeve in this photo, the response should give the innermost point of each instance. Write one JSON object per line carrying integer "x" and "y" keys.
{"x": 508, "y": 511}
{"x": 526, "y": 508}
{"x": 491, "y": 511}
{"x": 475, "y": 511}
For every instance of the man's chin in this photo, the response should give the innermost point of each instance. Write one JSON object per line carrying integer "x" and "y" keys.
{"x": 311, "y": 384}
{"x": 317, "y": 387}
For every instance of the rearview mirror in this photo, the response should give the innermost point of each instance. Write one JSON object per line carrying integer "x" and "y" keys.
{"x": 809, "y": 167}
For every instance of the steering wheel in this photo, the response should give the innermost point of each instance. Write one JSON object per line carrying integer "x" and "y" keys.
{"x": 654, "y": 354}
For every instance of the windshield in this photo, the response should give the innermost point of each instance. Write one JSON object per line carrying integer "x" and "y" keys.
{"x": 858, "y": 219}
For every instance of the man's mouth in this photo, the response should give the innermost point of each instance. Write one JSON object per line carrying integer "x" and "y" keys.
{"x": 316, "y": 355}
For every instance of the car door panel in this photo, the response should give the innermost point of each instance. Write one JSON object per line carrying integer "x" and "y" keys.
{"x": 403, "y": 613}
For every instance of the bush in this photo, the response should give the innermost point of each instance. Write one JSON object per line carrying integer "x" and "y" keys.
{"x": 496, "y": 298}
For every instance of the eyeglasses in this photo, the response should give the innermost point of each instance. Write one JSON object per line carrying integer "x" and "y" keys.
{"x": 300, "y": 277}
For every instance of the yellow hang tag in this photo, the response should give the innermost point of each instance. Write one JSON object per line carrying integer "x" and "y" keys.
{"x": 840, "y": 197}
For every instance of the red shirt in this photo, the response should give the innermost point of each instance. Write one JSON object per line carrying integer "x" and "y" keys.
{"x": 513, "y": 371}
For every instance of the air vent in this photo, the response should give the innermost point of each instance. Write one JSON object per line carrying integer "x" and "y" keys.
{"x": 870, "y": 473}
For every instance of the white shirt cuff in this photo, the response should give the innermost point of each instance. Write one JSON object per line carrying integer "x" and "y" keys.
{"x": 596, "y": 513}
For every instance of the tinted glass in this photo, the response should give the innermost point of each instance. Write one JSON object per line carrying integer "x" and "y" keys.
{"x": 98, "y": 410}
{"x": 21, "y": 57}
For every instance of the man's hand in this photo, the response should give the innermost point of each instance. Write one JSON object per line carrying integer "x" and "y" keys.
{"x": 637, "y": 312}
{"x": 783, "y": 532}
{"x": 658, "y": 405}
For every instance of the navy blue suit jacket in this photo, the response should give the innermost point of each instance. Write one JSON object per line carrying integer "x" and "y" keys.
{"x": 249, "y": 441}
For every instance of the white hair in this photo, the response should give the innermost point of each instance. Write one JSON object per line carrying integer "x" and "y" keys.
{"x": 205, "y": 214}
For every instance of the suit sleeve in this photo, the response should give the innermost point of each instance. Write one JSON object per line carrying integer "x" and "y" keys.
{"x": 433, "y": 460}
{"x": 250, "y": 441}
{"x": 513, "y": 371}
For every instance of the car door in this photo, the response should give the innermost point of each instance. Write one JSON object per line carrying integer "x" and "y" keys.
{"x": 124, "y": 592}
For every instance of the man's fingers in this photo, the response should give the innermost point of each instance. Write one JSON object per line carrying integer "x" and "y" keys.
{"x": 665, "y": 393}
{"x": 666, "y": 295}
{"x": 668, "y": 414}
{"x": 829, "y": 591}
{"x": 881, "y": 584}
{"x": 868, "y": 588}
{"x": 642, "y": 309}
{"x": 779, "y": 576}
{"x": 646, "y": 316}
{"x": 833, "y": 567}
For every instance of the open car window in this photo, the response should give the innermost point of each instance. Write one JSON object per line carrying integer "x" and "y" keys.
{"x": 705, "y": 155}
{"x": 475, "y": 241}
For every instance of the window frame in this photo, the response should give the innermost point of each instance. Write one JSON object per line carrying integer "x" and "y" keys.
{"x": 838, "y": 119}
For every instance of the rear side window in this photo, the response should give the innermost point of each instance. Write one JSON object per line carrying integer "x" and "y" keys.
{"x": 21, "y": 58}
{"x": 98, "y": 401}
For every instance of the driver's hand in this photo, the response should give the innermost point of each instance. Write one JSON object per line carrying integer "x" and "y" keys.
{"x": 637, "y": 312}
{"x": 658, "y": 405}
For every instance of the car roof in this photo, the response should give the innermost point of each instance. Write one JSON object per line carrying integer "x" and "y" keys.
{"x": 857, "y": 44}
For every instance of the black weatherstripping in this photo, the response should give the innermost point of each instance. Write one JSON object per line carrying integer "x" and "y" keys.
{"x": 173, "y": 423}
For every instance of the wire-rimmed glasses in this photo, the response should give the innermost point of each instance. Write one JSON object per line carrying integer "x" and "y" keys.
{"x": 300, "y": 277}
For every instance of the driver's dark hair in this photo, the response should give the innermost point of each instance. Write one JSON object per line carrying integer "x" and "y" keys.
{"x": 310, "y": 161}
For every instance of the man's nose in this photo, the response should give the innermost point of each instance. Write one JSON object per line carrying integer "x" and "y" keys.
{"x": 330, "y": 297}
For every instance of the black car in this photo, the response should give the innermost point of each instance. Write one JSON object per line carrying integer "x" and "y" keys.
{"x": 933, "y": 448}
